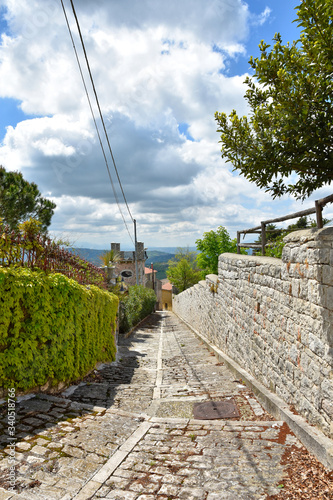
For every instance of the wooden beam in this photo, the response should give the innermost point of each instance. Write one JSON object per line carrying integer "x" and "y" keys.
{"x": 319, "y": 215}
{"x": 250, "y": 245}
{"x": 323, "y": 201}
{"x": 292, "y": 216}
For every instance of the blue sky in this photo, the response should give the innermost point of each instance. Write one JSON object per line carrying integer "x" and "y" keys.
{"x": 161, "y": 70}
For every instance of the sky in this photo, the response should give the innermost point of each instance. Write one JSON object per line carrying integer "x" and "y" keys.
{"x": 161, "y": 71}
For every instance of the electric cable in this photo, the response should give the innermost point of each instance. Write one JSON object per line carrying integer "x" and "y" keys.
{"x": 94, "y": 119}
{"x": 99, "y": 108}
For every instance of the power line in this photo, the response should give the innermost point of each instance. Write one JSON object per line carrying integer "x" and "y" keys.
{"x": 98, "y": 134}
{"x": 99, "y": 108}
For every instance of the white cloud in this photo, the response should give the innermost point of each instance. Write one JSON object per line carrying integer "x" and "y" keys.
{"x": 157, "y": 66}
{"x": 262, "y": 18}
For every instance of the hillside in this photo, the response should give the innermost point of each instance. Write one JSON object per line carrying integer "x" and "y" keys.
{"x": 159, "y": 258}
{"x": 90, "y": 254}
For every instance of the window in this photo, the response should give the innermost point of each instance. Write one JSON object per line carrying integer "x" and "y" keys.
{"x": 127, "y": 273}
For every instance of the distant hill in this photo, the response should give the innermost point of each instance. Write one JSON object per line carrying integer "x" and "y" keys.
{"x": 172, "y": 250}
{"x": 90, "y": 254}
{"x": 159, "y": 258}
{"x": 160, "y": 261}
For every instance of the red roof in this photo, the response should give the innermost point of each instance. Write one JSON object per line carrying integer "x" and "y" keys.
{"x": 167, "y": 286}
{"x": 148, "y": 270}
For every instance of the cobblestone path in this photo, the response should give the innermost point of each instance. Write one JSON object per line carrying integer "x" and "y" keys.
{"x": 128, "y": 432}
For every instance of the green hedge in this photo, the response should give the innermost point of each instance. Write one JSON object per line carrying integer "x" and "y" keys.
{"x": 139, "y": 303}
{"x": 52, "y": 328}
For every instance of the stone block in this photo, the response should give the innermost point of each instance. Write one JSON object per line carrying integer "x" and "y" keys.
{"x": 295, "y": 287}
{"x": 327, "y": 389}
{"x": 293, "y": 354}
{"x": 317, "y": 293}
{"x": 329, "y": 297}
{"x": 298, "y": 254}
{"x": 328, "y": 358}
{"x": 316, "y": 345}
{"x": 327, "y": 332}
{"x": 327, "y": 406}
{"x": 318, "y": 256}
{"x": 327, "y": 275}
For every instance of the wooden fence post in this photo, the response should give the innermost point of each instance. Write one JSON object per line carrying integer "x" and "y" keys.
{"x": 319, "y": 215}
{"x": 263, "y": 237}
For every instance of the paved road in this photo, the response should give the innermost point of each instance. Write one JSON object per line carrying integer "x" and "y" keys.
{"x": 128, "y": 431}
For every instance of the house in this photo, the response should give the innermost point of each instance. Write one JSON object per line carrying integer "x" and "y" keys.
{"x": 125, "y": 267}
{"x": 166, "y": 295}
{"x": 155, "y": 284}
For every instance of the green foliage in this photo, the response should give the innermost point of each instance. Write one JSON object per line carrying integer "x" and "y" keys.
{"x": 182, "y": 275}
{"x": 27, "y": 247}
{"x": 276, "y": 243}
{"x": 135, "y": 306}
{"x": 182, "y": 271}
{"x": 161, "y": 268}
{"x": 187, "y": 254}
{"x": 110, "y": 257}
{"x": 275, "y": 248}
{"x": 52, "y": 328}
{"x": 289, "y": 129}
{"x": 21, "y": 200}
{"x": 211, "y": 246}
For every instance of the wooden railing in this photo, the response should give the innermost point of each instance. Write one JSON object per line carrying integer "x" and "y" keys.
{"x": 318, "y": 208}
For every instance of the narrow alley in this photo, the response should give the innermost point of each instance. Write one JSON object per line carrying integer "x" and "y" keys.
{"x": 137, "y": 429}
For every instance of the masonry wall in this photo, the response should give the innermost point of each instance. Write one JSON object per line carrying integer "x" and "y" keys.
{"x": 275, "y": 318}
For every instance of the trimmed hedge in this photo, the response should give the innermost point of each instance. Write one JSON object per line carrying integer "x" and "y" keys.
{"x": 52, "y": 328}
{"x": 139, "y": 303}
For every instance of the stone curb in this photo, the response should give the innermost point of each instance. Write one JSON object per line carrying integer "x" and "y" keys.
{"x": 312, "y": 438}
{"x": 129, "y": 333}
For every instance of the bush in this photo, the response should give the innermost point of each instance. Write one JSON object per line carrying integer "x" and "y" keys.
{"x": 139, "y": 303}
{"x": 52, "y": 328}
{"x": 28, "y": 247}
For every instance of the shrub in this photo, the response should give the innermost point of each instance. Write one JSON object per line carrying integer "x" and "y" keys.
{"x": 52, "y": 328}
{"x": 139, "y": 303}
{"x": 28, "y": 247}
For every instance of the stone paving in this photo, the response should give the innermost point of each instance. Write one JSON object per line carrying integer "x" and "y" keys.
{"x": 127, "y": 431}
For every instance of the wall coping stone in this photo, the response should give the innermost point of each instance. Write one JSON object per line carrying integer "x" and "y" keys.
{"x": 309, "y": 234}
{"x": 212, "y": 277}
{"x": 258, "y": 259}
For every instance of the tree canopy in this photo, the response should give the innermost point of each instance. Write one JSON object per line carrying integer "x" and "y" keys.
{"x": 21, "y": 200}
{"x": 182, "y": 271}
{"x": 211, "y": 246}
{"x": 290, "y": 96}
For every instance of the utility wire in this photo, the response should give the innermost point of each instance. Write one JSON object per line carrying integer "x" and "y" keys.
{"x": 99, "y": 108}
{"x": 98, "y": 134}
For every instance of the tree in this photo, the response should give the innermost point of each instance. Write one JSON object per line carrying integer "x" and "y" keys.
{"x": 182, "y": 271}
{"x": 290, "y": 127}
{"x": 21, "y": 200}
{"x": 211, "y": 246}
{"x": 187, "y": 254}
{"x": 110, "y": 257}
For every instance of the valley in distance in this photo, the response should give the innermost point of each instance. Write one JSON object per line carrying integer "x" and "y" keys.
{"x": 159, "y": 256}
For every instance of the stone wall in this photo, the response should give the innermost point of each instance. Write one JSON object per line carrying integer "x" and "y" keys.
{"x": 275, "y": 318}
